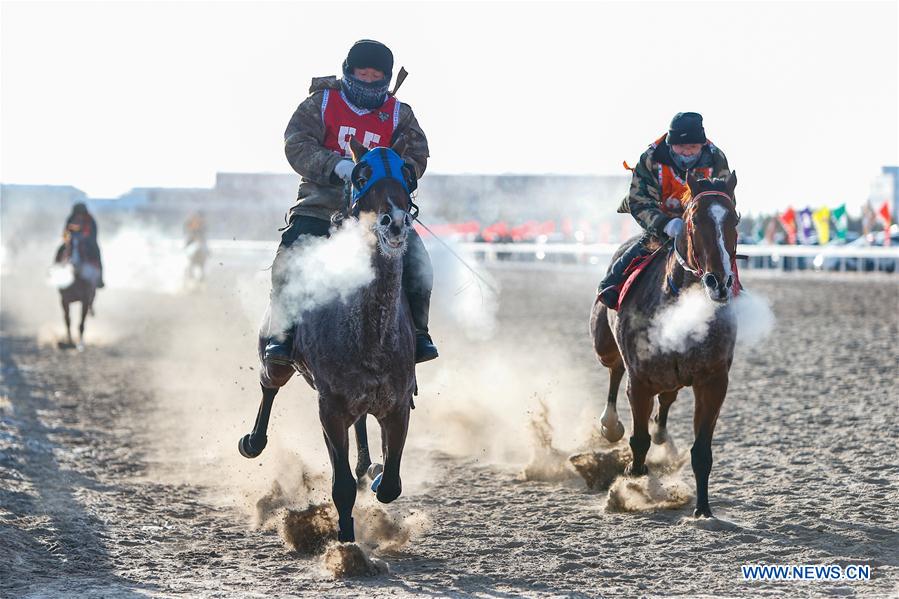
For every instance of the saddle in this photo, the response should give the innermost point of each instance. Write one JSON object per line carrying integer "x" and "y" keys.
{"x": 633, "y": 270}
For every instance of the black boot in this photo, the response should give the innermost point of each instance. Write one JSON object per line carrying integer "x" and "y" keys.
{"x": 420, "y": 306}
{"x": 610, "y": 286}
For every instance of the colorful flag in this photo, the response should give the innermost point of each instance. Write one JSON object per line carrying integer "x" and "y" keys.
{"x": 841, "y": 221}
{"x": 788, "y": 220}
{"x": 821, "y": 218}
{"x": 806, "y": 226}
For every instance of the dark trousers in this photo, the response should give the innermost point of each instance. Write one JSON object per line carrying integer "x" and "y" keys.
{"x": 615, "y": 276}
{"x": 418, "y": 273}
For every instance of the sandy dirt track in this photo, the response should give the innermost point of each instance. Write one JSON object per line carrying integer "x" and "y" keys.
{"x": 119, "y": 473}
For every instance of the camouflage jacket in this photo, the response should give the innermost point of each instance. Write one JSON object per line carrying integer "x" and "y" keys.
{"x": 643, "y": 200}
{"x": 321, "y": 191}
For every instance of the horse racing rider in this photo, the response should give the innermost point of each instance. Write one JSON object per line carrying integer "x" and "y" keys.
{"x": 317, "y": 146}
{"x": 81, "y": 221}
{"x": 657, "y": 190}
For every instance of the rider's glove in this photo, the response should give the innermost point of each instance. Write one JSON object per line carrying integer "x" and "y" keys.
{"x": 674, "y": 227}
{"x": 344, "y": 170}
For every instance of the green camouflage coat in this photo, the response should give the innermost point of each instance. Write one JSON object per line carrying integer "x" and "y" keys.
{"x": 321, "y": 191}
{"x": 643, "y": 200}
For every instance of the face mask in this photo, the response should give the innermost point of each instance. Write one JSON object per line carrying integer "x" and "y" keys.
{"x": 685, "y": 162}
{"x": 364, "y": 94}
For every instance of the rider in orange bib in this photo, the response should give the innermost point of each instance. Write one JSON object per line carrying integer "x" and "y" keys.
{"x": 658, "y": 188}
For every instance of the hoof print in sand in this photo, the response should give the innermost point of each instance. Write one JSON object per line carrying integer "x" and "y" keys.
{"x": 347, "y": 560}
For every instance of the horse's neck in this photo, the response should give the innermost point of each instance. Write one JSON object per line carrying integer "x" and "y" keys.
{"x": 382, "y": 299}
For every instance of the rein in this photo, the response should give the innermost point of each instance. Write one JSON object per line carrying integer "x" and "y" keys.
{"x": 684, "y": 261}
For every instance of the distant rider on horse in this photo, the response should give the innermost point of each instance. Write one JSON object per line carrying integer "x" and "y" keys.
{"x": 658, "y": 188}
{"x": 195, "y": 229}
{"x": 317, "y": 146}
{"x": 80, "y": 222}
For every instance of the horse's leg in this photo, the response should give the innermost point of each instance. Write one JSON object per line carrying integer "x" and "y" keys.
{"x": 612, "y": 428}
{"x": 660, "y": 434}
{"x": 85, "y": 306}
{"x": 363, "y": 456}
{"x": 251, "y": 445}
{"x": 393, "y": 434}
{"x": 68, "y": 319}
{"x": 641, "y": 400}
{"x": 343, "y": 483}
{"x": 606, "y": 349}
{"x": 709, "y": 397}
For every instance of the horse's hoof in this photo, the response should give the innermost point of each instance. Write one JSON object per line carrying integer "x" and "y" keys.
{"x": 251, "y": 450}
{"x": 703, "y": 512}
{"x": 614, "y": 434}
{"x": 659, "y": 437}
{"x": 631, "y": 471}
{"x": 374, "y": 471}
{"x": 376, "y": 483}
{"x": 386, "y": 494}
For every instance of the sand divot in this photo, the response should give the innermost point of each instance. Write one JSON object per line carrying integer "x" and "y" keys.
{"x": 600, "y": 468}
{"x": 662, "y": 489}
{"x": 348, "y": 560}
{"x": 308, "y": 531}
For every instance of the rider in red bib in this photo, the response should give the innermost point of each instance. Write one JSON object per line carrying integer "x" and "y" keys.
{"x": 317, "y": 147}
{"x": 658, "y": 189}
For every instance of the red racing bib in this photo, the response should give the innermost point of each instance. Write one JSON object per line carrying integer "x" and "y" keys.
{"x": 372, "y": 128}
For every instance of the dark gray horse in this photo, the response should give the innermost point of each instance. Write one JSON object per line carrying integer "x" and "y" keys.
{"x": 83, "y": 288}
{"x": 704, "y": 256}
{"x": 359, "y": 352}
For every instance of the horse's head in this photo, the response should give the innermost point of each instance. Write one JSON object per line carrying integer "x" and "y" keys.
{"x": 711, "y": 221}
{"x": 382, "y": 186}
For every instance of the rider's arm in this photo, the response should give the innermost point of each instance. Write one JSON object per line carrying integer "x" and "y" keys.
{"x": 643, "y": 197}
{"x": 416, "y": 143}
{"x": 304, "y": 142}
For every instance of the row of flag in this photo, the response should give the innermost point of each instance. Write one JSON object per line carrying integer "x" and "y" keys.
{"x": 802, "y": 226}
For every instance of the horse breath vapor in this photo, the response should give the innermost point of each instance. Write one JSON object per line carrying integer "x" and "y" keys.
{"x": 322, "y": 269}
{"x": 685, "y": 323}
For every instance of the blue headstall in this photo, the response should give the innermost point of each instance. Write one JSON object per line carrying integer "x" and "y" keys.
{"x": 384, "y": 164}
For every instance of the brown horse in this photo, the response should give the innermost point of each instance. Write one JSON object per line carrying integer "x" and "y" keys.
{"x": 623, "y": 340}
{"x": 82, "y": 289}
{"x": 358, "y": 352}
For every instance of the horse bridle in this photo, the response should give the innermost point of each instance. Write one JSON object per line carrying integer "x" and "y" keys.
{"x": 385, "y": 163}
{"x": 688, "y": 220}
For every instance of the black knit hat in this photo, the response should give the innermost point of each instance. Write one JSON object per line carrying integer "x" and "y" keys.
{"x": 686, "y": 128}
{"x": 369, "y": 54}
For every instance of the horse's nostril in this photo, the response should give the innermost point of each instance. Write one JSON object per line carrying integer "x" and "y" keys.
{"x": 385, "y": 221}
{"x": 710, "y": 281}
{"x": 407, "y": 220}
{"x": 730, "y": 281}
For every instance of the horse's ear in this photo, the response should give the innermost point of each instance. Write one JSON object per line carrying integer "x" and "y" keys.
{"x": 399, "y": 146}
{"x": 693, "y": 182}
{"x": 357, "y": 149}
{"x": 731, "y": 183}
